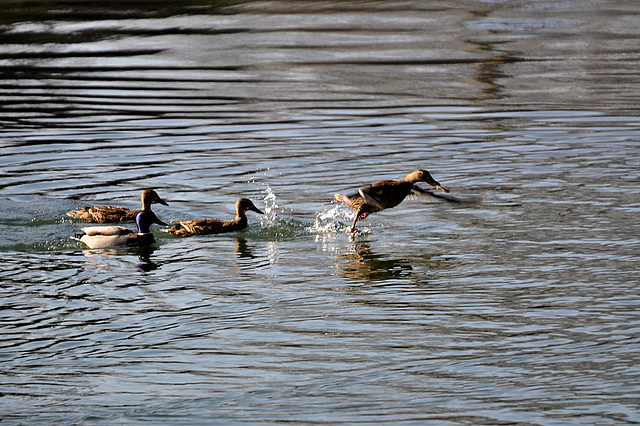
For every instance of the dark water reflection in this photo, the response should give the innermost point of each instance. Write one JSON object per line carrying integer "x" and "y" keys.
{"x": 364, "y": 265}
{"x": 523, "y": 308}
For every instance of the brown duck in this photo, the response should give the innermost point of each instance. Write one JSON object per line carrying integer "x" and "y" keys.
{"x": 109, "y": 214}
{"x": 188, "y": 228}
{"x": 386, "y": 194}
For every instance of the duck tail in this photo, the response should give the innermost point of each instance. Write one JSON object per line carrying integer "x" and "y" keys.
{"x": 175, "y": 228}
{"x": 78, "y": 236}
{"x": 83, "y": 213}
{"x": 178, "y": 229}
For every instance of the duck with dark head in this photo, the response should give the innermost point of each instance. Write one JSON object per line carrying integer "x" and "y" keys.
{"x": 118, "y": 236}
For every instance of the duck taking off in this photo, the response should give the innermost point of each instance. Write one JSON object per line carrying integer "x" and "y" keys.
{"x": 110, "y": 214}
{"x": 115, "y": 236}
{"x": 385, "y": 194}
{"x": 216, "y": 226}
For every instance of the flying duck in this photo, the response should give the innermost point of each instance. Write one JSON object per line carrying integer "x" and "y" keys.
{"x": 385, "y": 194}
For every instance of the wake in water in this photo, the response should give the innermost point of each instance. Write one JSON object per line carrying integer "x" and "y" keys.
{"x": 29, "y": 225}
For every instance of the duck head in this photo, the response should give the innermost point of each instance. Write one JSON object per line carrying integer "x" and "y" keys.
{"x": 244, "y": 204}
{"x": 425, "y": 176}
{"x": 145, "y": 219}
{"x": 150, "y": 196}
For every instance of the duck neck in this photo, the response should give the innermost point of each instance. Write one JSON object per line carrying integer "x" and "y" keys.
{"x": 144, "y": 229}
{"x": 241, "y": 217}
{"x": 146, "y": 204}
{"x": 411, "y": 178}
{"x": 144, "y": 225}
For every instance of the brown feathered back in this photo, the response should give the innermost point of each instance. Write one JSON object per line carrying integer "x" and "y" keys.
{"x": 207, "y": 226}
{"x": 111, "y": 214}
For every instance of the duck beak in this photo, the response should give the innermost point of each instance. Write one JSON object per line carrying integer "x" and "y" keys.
{"x": 159, "y": 222}
{"x": 431, "y": 181}
{"x": 161, "y": 201}
{"x": 441, "y": 188}
{"x": 257, "y": 210}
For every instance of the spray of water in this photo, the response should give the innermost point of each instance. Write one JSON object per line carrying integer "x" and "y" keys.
{"x": 272, "y": 225}
{"x": 329, "y": 221}
{"x": 270, "y": 217}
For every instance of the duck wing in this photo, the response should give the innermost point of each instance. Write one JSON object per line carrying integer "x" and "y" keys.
{"x": 105, "y": 214}
{"x": 449, "y": 198}
{"x": 106, "y": 231}
{"x": 373, "y": 197}
{"x": 385, "y": 194}
{"x": 198, "y": 227}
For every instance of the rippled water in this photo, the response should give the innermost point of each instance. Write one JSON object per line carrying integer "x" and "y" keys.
{"x": 522, "y": 309}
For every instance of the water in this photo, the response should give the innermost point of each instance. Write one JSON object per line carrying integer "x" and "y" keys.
{"x": 524, "y": 308}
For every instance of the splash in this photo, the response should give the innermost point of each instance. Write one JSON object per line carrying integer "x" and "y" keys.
{"x": 270, "y": 217}
{"x": 329, "y": 221}
{"x": 273, "y": 226}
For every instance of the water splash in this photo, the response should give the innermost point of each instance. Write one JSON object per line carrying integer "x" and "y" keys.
{"x": 272, "y": 226}
{"x": 270, "y": 217}
{"x": 329, "y": 221}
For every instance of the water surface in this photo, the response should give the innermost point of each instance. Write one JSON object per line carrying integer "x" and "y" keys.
{"x": 524, "y": 308}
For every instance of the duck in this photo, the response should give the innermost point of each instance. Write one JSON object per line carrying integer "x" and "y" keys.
{"x": 186, "y": 228}
{"x": 110, "y": 214}
{"x": 386, "y": 194}
{"x": 117, "y": 236}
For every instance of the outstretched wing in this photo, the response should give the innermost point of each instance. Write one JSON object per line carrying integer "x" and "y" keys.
{"x": 449, "y": 198}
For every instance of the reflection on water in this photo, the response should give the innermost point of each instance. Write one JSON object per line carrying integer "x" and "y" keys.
{"x": 242, "y": 249}
{"x": 361, "y": 264}
{"x": 143, "y": 255}
{"x": 523, "y": 308}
